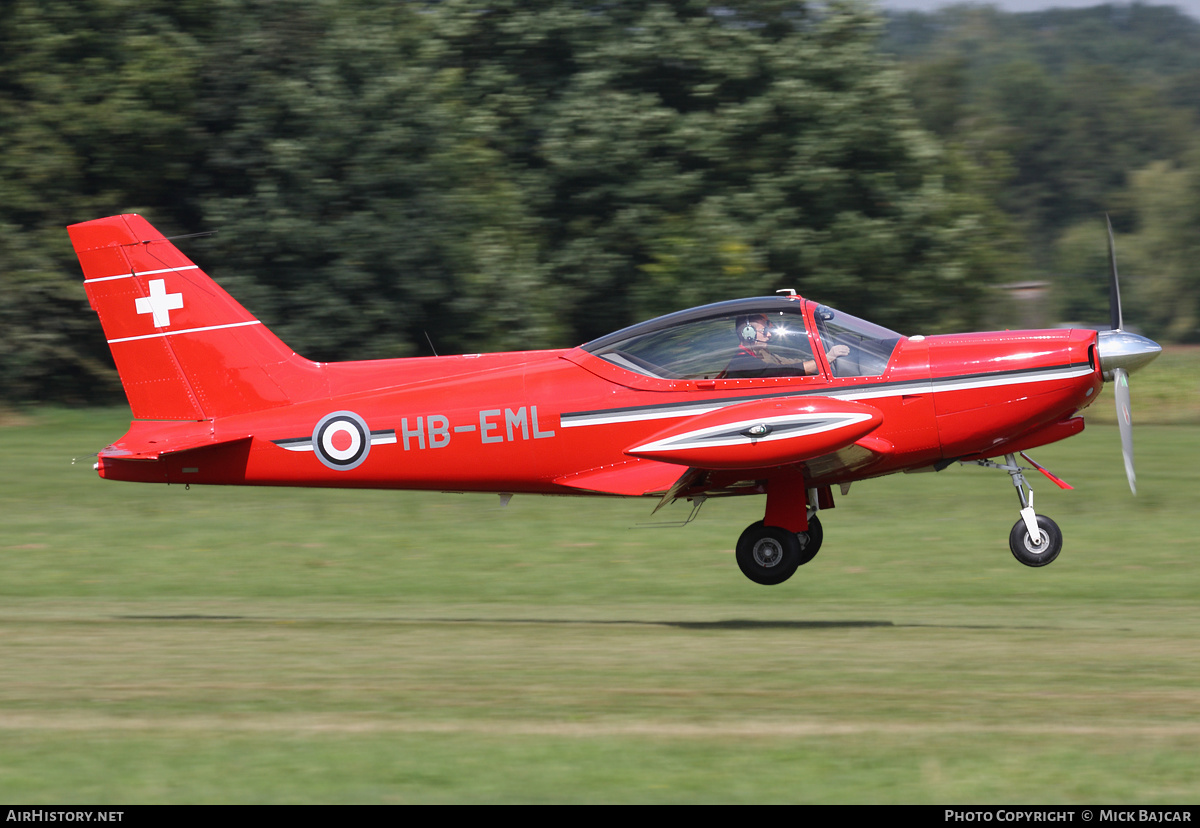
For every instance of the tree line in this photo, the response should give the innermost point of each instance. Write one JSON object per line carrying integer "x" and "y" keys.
{"x": 511, "y": 175}
{"x": 1076, "y": 113}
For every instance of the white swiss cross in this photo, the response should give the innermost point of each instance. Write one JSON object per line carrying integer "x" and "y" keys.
{"x": 160, "y": 303}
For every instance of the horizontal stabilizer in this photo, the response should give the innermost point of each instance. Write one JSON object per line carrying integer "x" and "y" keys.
{"x": 152, "y": 440}
{"x": 762, "y": 433}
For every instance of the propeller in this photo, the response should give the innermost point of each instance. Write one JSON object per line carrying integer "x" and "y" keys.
{"x": 1121, "y": 353}
{"x": 1121, "y": 378}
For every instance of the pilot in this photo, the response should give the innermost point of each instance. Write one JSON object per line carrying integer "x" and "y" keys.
{"x": 754, "y": 357}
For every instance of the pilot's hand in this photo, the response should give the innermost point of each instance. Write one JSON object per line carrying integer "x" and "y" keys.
{"x": 839, "y": 351}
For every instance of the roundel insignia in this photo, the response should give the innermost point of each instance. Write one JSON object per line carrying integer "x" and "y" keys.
{"x": 341, "y": 440}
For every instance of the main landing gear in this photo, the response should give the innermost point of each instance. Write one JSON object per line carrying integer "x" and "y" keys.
{"x": 1035, "y": 540}
{"x": 790, "y": 535}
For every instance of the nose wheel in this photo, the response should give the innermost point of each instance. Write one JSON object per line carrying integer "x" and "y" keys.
{"x": 1037, "y": 552}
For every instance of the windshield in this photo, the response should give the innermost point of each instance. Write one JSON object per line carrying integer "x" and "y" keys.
{"x": 869, "y": 346}
{"x": 740, "y": 340}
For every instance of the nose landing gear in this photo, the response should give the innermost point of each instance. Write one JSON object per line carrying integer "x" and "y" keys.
{"x": 1035, "y": 540}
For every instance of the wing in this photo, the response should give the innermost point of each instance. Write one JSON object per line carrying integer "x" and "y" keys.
{"x": 632, "y": 477}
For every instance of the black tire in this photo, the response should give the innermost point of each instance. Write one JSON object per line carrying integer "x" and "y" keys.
{"x": 768, "y": 555}
{"x": 810, "y": 541}
{"x": 1026, "y": 552}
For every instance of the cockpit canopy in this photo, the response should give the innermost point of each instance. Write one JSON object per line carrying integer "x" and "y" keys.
{"x": 713, "y": 342}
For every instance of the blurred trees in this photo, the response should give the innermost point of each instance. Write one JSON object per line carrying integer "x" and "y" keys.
{"x": 95, "y": 110}
{"x": 1076, "y": 113}
{"x": 495, "y": 175}
{"x": 1164, "y": 249}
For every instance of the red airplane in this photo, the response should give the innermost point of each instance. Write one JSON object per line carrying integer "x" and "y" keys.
{"x": 776, "y": 395}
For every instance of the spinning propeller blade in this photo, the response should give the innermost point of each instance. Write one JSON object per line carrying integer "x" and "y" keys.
{"x": 1114, "y": 290}
{"x": 1121, "y": 378}
{"x": 1121, "y": 353}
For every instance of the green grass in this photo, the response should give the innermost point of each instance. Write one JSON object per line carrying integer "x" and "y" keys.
{"x": 255, "y": 645}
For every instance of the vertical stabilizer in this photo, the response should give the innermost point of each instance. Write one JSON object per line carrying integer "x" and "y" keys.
{"x": 185, "y": 349}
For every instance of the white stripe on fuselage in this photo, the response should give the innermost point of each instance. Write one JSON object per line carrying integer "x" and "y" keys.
{"x": 900, "y": 388}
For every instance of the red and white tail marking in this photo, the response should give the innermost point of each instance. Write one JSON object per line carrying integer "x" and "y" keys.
{"x": 185, "y": 349}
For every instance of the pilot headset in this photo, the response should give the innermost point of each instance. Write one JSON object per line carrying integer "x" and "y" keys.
{"x": 747, "y": 331}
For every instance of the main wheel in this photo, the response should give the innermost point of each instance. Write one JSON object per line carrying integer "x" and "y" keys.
{"x": 1039, "y": 554}
{"x": 810, "y": 541}
{"x": 768, "y": 554}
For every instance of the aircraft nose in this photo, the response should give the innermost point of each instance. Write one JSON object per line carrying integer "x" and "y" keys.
{"x": 1121, "y": 349}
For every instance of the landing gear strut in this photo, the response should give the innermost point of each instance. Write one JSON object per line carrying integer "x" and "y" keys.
{"x": 810, "y": 541}
{"x": 790, "y": 535}
{"x": 1035, "y": 540}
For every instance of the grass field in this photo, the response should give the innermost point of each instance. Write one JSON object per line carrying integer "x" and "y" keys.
{"x": 239, "y": 645}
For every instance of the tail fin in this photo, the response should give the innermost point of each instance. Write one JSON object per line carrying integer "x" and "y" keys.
{"x": 184, "y": 348}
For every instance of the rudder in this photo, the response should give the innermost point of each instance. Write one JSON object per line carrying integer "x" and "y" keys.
{"x": 184, "y": 348}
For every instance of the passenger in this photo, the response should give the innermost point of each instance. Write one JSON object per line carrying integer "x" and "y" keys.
{"x": 754, "y": 357}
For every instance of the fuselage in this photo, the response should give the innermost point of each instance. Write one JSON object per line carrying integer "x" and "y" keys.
{"x": 551, "y": 421}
